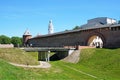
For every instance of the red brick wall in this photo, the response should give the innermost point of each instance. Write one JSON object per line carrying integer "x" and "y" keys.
{"x": 111, "y": 38}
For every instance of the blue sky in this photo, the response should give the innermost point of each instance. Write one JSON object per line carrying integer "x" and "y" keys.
{"x": 18, "y": 15}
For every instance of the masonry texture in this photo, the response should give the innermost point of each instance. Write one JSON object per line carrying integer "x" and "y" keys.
{"x": 110, "y": 35}
{"x": 6, "y": 46}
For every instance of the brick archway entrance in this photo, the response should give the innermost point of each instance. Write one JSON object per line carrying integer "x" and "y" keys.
{"x": 95, "y": 39}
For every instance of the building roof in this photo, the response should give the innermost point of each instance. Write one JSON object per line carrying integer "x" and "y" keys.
{"x": 100, "y": 21}
{"x": 27, "y": 32}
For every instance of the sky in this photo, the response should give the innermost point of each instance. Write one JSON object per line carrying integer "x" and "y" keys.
{"x": 18, "y": 15}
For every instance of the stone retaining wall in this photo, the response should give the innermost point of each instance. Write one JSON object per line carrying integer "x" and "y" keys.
{"x": 6, "y": 45}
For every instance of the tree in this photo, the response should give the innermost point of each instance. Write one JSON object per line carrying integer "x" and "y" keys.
{"x": 66, "y": 30}
{"x": 119, "y": 22}
{"x": 4, "y": 39}
{"x": 76, "y": 27}
{"x": 16, "y": 41}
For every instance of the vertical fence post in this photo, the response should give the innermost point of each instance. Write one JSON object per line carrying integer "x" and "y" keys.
{"x": 48, "y": 55}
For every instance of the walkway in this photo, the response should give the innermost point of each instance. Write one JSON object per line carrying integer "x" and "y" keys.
{"x": 42, "y": 65}
{"x": 73, "y": 58}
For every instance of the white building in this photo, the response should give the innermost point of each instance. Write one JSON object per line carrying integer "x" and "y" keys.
{"x": 97, "y": 42}
{"x": 50, "y": 27}
{"x": 102, "y": 20}
{"x": 99, "y": 22}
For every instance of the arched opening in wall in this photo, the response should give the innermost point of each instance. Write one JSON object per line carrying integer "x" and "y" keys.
{"x": 95, "y": 41}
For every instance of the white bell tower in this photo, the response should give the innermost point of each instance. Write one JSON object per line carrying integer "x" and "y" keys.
{"x": 50, "y": 27}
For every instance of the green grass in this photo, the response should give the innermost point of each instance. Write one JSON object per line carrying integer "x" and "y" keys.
{"x": 9, "y": 72}
{"x": 18, "y": 56}
{"x": 102, "y": 63}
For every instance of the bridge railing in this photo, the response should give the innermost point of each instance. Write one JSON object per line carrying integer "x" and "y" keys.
{"x": 47, "y": 49}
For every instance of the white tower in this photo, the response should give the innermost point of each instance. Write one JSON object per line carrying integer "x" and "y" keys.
{"x": 50, "y": 27}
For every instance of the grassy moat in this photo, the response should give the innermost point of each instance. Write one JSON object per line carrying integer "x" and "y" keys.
{"x": 94, "y": 64}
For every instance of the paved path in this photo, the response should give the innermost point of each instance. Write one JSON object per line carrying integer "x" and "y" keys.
{"x": 73, "y": 58}
{"x": 43, "y": 64}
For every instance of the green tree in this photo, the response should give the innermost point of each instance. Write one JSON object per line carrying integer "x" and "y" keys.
{"x": 119, "y": 22}
{"x": 16, "y": 41}
{"x": 76, "y": 27}
{"x": 4, "y": 39}
{"x": 66, "y": 30}
{"x": 0, "y": 40}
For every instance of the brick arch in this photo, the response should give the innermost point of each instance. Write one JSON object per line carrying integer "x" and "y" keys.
{"x": 96, "y": 34}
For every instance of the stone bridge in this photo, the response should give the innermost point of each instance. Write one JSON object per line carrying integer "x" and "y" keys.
{"x": 44, "y": 53}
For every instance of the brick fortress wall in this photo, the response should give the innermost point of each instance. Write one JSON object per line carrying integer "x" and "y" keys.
{"x": 110, "y": 37}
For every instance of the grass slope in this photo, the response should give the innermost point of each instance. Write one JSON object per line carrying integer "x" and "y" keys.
{"x": 18, "y": 56}
{"x": 102, "y": 63}
{"x": 9, "y": 72}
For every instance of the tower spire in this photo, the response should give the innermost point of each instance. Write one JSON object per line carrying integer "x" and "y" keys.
{"x": 50, "y": 27}
{"x": 26, "y": 37}
{"x": 27, "y": 32}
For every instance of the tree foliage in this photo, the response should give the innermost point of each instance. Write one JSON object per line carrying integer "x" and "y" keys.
{"x": 4, "y": 39}
{"x": 16, "y": 41}
{"x": 76, "y": 27}
{"x": 119, "y": 22}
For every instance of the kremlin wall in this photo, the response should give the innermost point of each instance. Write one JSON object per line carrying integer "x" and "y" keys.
{"x": 98, "y": 32}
